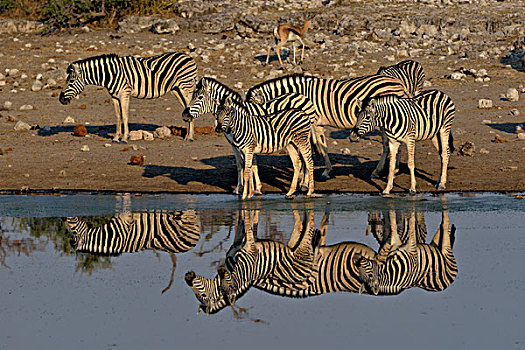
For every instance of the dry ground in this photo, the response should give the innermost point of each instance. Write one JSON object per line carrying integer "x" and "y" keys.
{"x": 36, "y": 160}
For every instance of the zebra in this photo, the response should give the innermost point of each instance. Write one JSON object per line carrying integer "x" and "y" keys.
{"x": 413, "y": 264}
{"x": 140, "y": 77}
{"x": 409, "y": 72}
{"x": 428, "y": 116}
{"x": 209, "y": 94}
{"x": 335, "y": 101}
{"x": 290, "y": 129}
{"x": 319, "y": 270}
{"x": 172, "y": 232}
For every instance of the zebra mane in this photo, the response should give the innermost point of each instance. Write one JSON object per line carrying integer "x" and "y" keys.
{"x": 213, "y": 81}
{"x": 109, "y": 56}
{"x": 382, "y": 100}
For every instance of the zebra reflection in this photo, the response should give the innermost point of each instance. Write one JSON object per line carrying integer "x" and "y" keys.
{"x": 172, "y": 232}
{"x": 305, "y": 266}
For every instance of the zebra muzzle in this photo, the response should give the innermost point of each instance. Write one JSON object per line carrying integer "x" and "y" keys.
{"x": 189, "y": 277}
{"x": 218, "y": 128}
{"x": 186, "y": 116}
{"x": 62, "y": 98}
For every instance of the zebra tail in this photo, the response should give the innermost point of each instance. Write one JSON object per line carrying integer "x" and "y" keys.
{"x": 451, "y": 142}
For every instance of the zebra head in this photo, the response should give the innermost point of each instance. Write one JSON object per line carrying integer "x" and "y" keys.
{"x": 207, "y": 291}
{"x": 74, "y": 84}
{"x": 368, "y": 273}
{"x": 76, "y": 229}
{"x": 201, "y": 101}
{"x": 366, "y": 120}
{"x": 223, "y": 115}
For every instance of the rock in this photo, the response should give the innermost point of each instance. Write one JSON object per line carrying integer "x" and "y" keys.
{"x": 515, "y": 112}
{"x": 509, "y": 168}
{"x": 147, "y": 136}
{"x": 345, "y": 150}
{"x": 165, "y": 26}
{"x": 135, "y": 135}
{"x": 84, "y": 148}
{"x": 68, "y": 120}
{"x": 457, "y": 76}
{"x": 135, "y": 24}
{"x": 136, "y": 160}
{"x": 26, "y": 108}
{"x": 37, "y": 86}
{"x": 80, "y": 130}
{"x": 512, "y": 95}
{"x": 62, "y": 173}
{"x": 482, "y": 73}
{"x": 467, "y": 149}
{"x": 14, "y": 26}
{"x": 499, "y": 139}
{"x": 485, "y": 103}
{"x": 7, "y": 105}
{"x": 107, "y": 145}
{"x": 521, "y": 136}
{"x": 483, "y": 151}
{"x": 13, "y": 73}
{"x": 22, "y": 126}
{"x": 162, "y": 132}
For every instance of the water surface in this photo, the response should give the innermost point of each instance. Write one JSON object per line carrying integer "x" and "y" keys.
{"x": 55, "y": 296}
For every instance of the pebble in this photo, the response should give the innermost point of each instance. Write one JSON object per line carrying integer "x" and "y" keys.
{"x": 107, "y": 145}
{"x": 162, "y": 132}
{"x": 512, "y": 95}
{"x": 136, "y": 160}
{"x": 80, "y": 130}
{"x": 26, "y": 108}
{"x": 345, "y": 150}
{"x": 12, "y": 72}
{"x": 37, "y": 86}
{"x": 69, "y": 120}
{"x": 148, "y": 136}
{"x": 85, "y": 148}
{"x": 483, "y": 151}
{"x": 509, "y": 168}
{"x": 467, "y": 149}
{"x": 22, "y": 126}
{"x": 135, "y": 135}
{"x": 485, "y": 103}
{"x": 7, "y": 105}
{"x": 62, "y": 173}
{"x": 521, "y": 136}
{"x": 515, "y": 112}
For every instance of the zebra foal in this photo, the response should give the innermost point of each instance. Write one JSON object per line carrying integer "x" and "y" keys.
{"x": 129, "y": 76}
{"x": 290, "y": 129}
{"x": 428, "y": 116}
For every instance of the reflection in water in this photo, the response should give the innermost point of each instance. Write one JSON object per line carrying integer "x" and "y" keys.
{"x": 172, "y": 232}
{"x": 305, "y": 266}
{"x": 16, "y": 246}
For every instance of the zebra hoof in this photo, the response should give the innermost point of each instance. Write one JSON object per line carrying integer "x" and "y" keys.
{"x": 324, "y": 177}
{"x": 289, "y": 196}
{"x": 188, "y": 140}
{"x": 412, "y": 192}
{"x": 374, "y": 176}
{"x": 125, "y": 142}
{"x": 257, "y": 193}
{"x": 440, "y": 186}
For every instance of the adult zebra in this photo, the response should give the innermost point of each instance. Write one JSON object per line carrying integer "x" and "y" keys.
{"x": 129, "y": 76}
{"x": 335, "y": 101}
{"x": 428, "y": 116}
{"x": 288, "y": 128}
{"x": 413, "y": 264}
{"x": 410, "y": 73}
{"x": 278, "y": 269}
{"x": 210, "y": 94}
{"x": 172, "y": 232}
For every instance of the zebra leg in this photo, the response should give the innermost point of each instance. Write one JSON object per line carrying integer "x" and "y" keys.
{"x": 191, "y": 128}
{"x": 445, "y": 153}
{"x": 125, "y": 115}
{"x": 411, "y": 149}
{"x": 174, "y": 265}
{"x": 381, "y": 165}
{"x": 296, "y": 162}
{"x": 118, "y": 112}
{"x": 306, "y": 152}
{"x": 248, "y": 159}
{"x": 322, "y": 148}
{"x": 256, "y": 179}
{"x": 393, "y": 146}
{"x": 239, "y": 162}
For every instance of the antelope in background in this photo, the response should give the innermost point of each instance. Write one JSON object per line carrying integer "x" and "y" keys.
{"x": 285, "y": 32}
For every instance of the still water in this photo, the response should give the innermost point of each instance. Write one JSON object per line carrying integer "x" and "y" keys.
{"x": 130, "y": 272}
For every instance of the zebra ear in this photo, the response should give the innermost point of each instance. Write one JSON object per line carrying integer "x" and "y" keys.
{"x": 359, "y": 105}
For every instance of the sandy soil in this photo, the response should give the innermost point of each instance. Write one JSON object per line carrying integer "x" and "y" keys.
{"x": 37, "y": 160}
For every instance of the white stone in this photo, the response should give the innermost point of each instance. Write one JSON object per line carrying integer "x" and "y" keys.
{"x": 12, "y": 72}
{"x": 107, "y": 145}
{"x": 37, "y": 85}
{"x": 512, "y": 95}
{"x": 515, "y": 112}
{"x": 162, "y": 132}
{"x": 457, "y": 76}
{"x": 148, "y": 136}
{"x": 69, "y": 120}
{"x": 26, "y": 108}
{"x": 135, "y": 135}
{"x": 485, "y": 103}
{"x": 84, "y": 148}
{"x": 345, "y": 150}
{"x": 22, "y": 126}
{"x": 521, "y": 136}
{"x": 7, "y": 105}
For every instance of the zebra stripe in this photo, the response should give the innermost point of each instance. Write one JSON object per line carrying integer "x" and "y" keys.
{"x": 290, "y": 129}
{"x": 428, "y": 266}
{"x": 173, "y": 232}
{"x": 335, "y": 101}
{"x": 428, "y": 116}
{"x": 129, "y": 76}
{"x": 409, "y": 72}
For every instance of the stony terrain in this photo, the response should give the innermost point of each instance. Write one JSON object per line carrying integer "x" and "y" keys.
{"x": 472, "y": 50}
